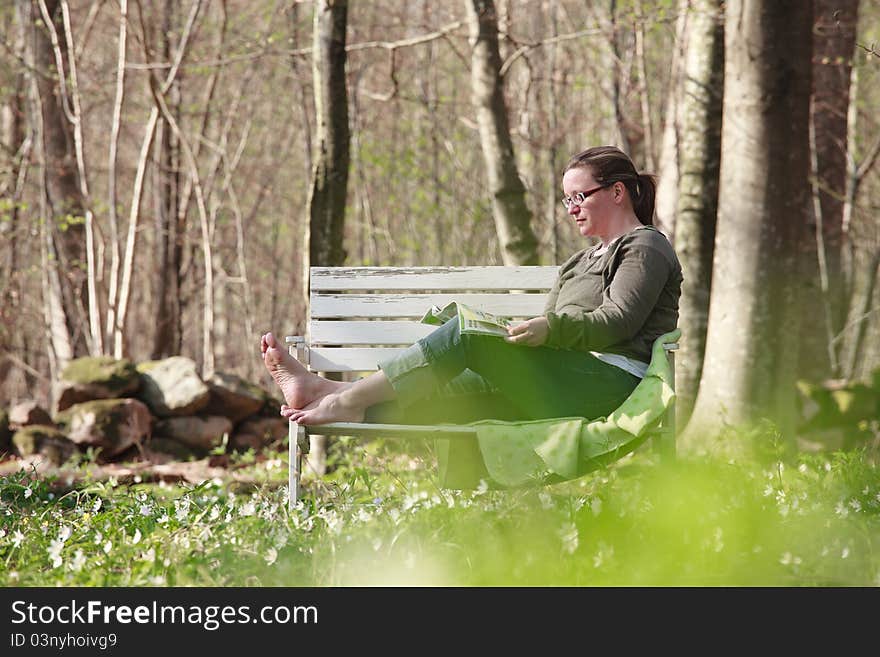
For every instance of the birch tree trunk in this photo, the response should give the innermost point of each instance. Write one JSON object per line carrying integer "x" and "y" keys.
{"x": 667, "y": 183}
{"x": 519, "y": 246}
{"x": 752, "y": 340}
{"x": 699, "y": 162}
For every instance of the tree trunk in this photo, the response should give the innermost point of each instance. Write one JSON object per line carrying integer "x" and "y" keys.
{"x": 834, "y": 36}
{"x": 699, "y": 162}
{"x": 328, "y": 193}
{"x": 66, "y": 204}
{"x": 14, "y": 140}
{"x": 170, "y": 222}
{"x": 752, "y": 340}
{"x": 667, "y": 184}
{"x": 519, "y": 246}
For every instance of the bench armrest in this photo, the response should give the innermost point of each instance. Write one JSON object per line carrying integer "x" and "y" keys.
{"x": 298, "y": 348}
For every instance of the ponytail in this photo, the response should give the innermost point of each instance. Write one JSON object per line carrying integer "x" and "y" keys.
{"x": 643, "y": 198}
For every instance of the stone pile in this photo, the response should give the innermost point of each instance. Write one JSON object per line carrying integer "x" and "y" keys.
{"x": 117, "y": 408}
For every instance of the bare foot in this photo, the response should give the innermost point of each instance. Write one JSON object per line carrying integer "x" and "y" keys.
{"x": 299, "y": 386}
{"x": 329, "y": 408}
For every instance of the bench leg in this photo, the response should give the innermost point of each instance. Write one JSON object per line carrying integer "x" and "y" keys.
{"x": 296, "y": 434}
{"x": 664, "y": 440}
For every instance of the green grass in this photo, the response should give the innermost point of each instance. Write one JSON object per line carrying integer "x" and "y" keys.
{"x": 379, "y": 519}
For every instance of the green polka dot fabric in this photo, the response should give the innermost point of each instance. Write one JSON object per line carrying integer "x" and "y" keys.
{"x": 516, "y": 454}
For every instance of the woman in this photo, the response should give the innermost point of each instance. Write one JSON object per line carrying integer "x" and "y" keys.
{"x": 582, "y": 357}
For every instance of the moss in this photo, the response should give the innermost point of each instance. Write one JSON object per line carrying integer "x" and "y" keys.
{"x": 42, "y": 439}
{"x": 113, "y": 372}
{"x": 147, "y": 365}
{"x": 106, "y": 411}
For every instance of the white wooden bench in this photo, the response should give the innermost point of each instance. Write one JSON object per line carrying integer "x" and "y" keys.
{"x": 359, "y": 316}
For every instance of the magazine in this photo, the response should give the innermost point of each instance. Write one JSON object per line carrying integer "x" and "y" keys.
{"x": 470, "y": 320}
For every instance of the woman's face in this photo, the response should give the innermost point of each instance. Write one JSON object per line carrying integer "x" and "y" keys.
{"x": 592, "y": 215}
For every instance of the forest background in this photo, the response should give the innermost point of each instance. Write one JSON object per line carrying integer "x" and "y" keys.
{"x": 170, "y": 169}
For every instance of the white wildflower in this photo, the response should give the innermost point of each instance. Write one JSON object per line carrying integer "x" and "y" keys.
{"x": 146, "y": 510}
{"x": 215, "y": 513}
{"x": 17, "y": 538}
{"x": 28, "y": 492}
{"x": 569, "y": 535}
{"x": 271, "y": 556}
{"x": 98, "y": 537}
{"x": 482, "y": 487}
{"x": 855, "y": 505}
{"x": 149, "y": 556}
{"x": 107, "y": 547}
{"x": 55, "y": 547}
{"x": 96, "y": 506}
{"x": 845, "y": 553}
{"x": 247, "y": 509}
{"x": 768, "y": 491}
{"x": 788, "y": 559}
{"x": 137, "y": 537}
{"x": 802, "y": 468}
{"x": 2, "y": 533}
{"x": 163, "y": 519}
{"x": 78, "y": 561}
{"x": 841, "y": 510}
{"x": 181, "y": 509}
{"x": 546, "y": 500}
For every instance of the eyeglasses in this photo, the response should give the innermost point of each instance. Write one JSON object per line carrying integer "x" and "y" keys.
{"x": 579, "y": 197}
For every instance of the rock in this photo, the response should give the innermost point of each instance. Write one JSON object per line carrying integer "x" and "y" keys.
{"x": 44, "y": 440}
{"x": 94, "y": 377}
{"x": 114, "y": 425}
{"x": 171, "y": 447}
{"x": 5, "y": 433}
{"x": 27, "y": 413}
{"x": 172, "y": 387}
{"x": 260, "y": 431}
{"x": 202, "y": 433}
{"x": 234, "y": 397}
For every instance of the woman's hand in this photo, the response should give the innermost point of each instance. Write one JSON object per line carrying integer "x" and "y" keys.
{"x": 532, "y": 332}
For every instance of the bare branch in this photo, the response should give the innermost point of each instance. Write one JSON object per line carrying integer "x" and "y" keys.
{"x": 869, "y": 50}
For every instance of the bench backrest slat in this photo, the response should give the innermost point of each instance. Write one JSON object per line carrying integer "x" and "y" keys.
{"x": 362, "y": 332}
{"x": 431, "y": 278}
{"x": 358, "y": 313}
{"x": 414, "y": 306}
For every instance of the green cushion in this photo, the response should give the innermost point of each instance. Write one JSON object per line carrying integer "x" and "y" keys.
{"x": 527, "y": 453}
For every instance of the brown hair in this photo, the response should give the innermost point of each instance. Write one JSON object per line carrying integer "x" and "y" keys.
{"x": 609, "y": 165}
